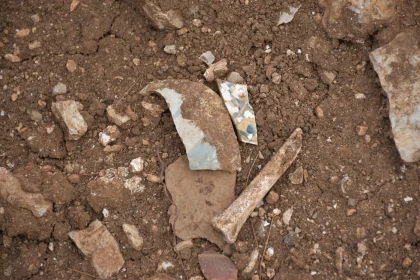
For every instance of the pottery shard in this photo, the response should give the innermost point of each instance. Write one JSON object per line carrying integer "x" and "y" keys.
{"x": 356, "y": 20}
{"x": 171, "y": 19}
{"x": 11, "y": 191}
{"x": 202, "y": 122}
{"x": 97, "y": 243}
{"x": 198, "y": 196}
{"x": 217, "y": 267}
{"x": 68, "y": 116}
{"x": 398, "y": 67}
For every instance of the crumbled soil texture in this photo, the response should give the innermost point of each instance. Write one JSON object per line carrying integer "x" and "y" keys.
{"x": 117, "y": 52}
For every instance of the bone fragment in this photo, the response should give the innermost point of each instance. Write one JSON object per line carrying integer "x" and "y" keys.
{"x": 230, "y": 221}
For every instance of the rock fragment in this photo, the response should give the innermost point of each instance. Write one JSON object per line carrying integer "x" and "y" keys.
{"x": 71, "y": 65}
{"x": 209, "y": 192}
{"x": 287, "y": 216}
{"x": 356, "y": 20}
{"x": 296, "y": 177}
{"x": 207, "y": 57}
{"x": 170, "y": 49}
{"x": 12, "y": 58}
{"x": 137, "y": 165}
{"x": 216, "y": 70}
{"x": 133, "y": 236}
{"x": 241, "y": 112}
{"x": 183, "y": 245}
{"x": 272, "y": 197}
{"x": 97, "y": 243}
{"x": 209, "y": 138}
{"x": 134, "y": 184}
{"x": 34, "y": 45}
{"x": 59, "y": 88}
{"x": 361, "y": 130}
{"x": 109, "y": 135}
{"x": 11, "y": 191}
{"x": 115, "y": 117}
{"x": 327, "y": 77}
{"x": 68, "y": 116}
{"x": 319, "y": 112}
{"x": 217, "y": 267}
{"x": 286, "y": 17}
{"x": 252, "y": 262}
{"x": 171, "y": 19}
{"x": 407, "y": 262}
{"x": 235, "y": 78}
{"x": 399, "y": 73}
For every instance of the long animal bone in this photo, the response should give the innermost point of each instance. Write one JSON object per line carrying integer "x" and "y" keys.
{"x": 230, "y": 221}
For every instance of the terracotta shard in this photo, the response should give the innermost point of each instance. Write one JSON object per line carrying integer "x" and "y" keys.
{"x": 398, "y": 68}
{"x": 217, "y": 267}
{"x": 237, "y": 103}
{"x": 197, "y": 196}
{"x": 202, "y": 123}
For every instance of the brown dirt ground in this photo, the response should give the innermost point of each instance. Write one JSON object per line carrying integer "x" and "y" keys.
{"x": 103, "y": 38}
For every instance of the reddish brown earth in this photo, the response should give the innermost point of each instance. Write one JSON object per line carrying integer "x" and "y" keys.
{"x": 103, "y": 38}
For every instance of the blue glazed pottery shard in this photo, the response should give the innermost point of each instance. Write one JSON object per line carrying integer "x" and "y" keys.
{"x": 241, "y": 112}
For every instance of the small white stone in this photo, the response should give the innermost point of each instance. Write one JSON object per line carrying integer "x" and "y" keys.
{"x": 166, "y": 265}
{"x": 105, "y": 212}
{"x": 359, "y": 96}
{"x": 59, "y": 88}
{"x": 270, "y": 252}
{"x": 287, "y": 216}
{"x": 51, "y": 246}
{"x": 408, "y": 199}
{"x": 170, "y": 49}
{"x": 276, "y": 211}
{"x": 137, "y": 165}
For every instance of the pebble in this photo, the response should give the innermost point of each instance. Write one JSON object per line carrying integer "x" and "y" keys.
{"x": 51, "y": 246}
{"x": 207, "y": 57}
{"x": 68, "y": 116}
{"x": 8, "y": 271}
{"x": 361, "y": 130}
{"x": 270, "y": 273}
{"x": 136, "y": 61}
{"x": 252, "y": 262}
{"x": 407, "y": 262}
{"x": 153, "y": 178}
{"x": 287, "y": 216}
{"x": 137, "y": 165}
{"x": 7, "y": 241}
{"x": 334, "y": 179}
{"x": 114, "y": 148}
{"x": 235, "y": 78}
{"x": 339, "y": 257}
{"x": 276, "y": 78}
{"x": 133, "y": 236}
{"x": 196, "y": 22}
{"x": 170, "y": 49}
{"x": 109, "y": 135}
{"x": 270, "y": 252}
{"x": 327, "y": 77}
{"x": 319, "y": 112}
{"x": 351, "y": 212}
{"x": 359, "y": 96}
{"x": 276, "y": 211}
{"x": 187, "y": 244}
{"x": 291, "y": 239}
{"x": 296, "y": 178}
{"x": 34, "y": 45}
{"x": 272, "y": 197}
{"x": 35, "y": 18}
{"x": 71, "y": 65}
{"x": 113, "y": 116}
{"x": 23, "y": 33}
{"x": 12, "y": 58}
{"x": 216, "y": 70}
{"x": 182, "y": 31}
{"x": 59, "y": 88}
{"x": 260, "y": 155}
